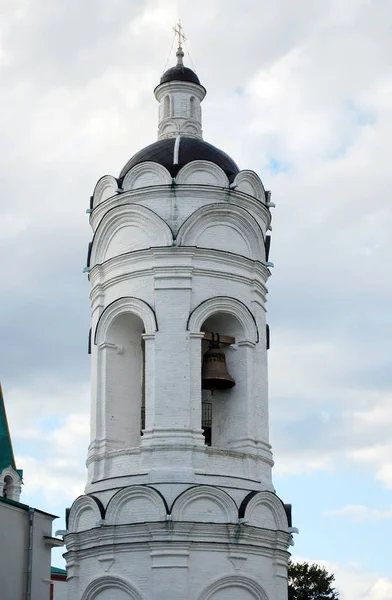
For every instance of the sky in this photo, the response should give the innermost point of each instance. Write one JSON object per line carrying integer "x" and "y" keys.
{"x": 298, "y": 91}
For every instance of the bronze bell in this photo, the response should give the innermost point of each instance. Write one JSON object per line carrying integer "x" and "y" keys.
{"x": 214, "y": 375}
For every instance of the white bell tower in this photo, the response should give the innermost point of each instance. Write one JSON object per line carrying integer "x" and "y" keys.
{"x": 179, "y": 502}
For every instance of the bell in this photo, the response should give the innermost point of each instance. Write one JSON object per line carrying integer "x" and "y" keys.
{"x": 214, "y": 375}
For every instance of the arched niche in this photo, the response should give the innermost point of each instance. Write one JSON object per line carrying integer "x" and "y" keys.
{"x": 127, "y": 228}
{"x": 166, "y": 107}
{"x": 127, "y": 304}
{"x": 105, "y": 188}
{"x": 168, "y": 127}
{"x": 136, "y": 504}
{"x": 190, "y": 129}
{"x": 226, "y": 227}
{"x": 10, "y": 484}
{"x": 146, "y": 174}
{"x": 224, "y": 416}
{"x": 109, "y": 587}
{"x": 234, "y": 587}
{"x": 192, "y": 107}
{"x": 86, "y": 513}
{"x": 205, "y": 504}
{"x": 123, "y": 368}
{"x": 228, "y": 305}
{"x": 122, "y": 360}
{"x": 202, "y": 172}
{"x": 250, "y": 183}
{"x": 265, "y": 510}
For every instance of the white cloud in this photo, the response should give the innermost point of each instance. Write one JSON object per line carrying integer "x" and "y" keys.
{"x": 359, "y": 512}
{"x": 305, "y": 86}
{"x": 54, "y": 468}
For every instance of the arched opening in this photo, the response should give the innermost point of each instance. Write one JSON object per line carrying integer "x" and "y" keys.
{"x": 166, "y": 107}
{"x": 192, "y": 107}
{"x": 221, "y": 409}
{"x": 125, "y": 381}
{"x": 7, "y": 487}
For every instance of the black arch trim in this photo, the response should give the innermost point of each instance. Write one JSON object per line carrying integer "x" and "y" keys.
{"x": 248, "y": 498}
{"x": 102, "y": 511}
{"x": 201, "y": 486}
{"x": 244, "y": 504}
{"x": 231, "y": 298}
{"x": 123, "y": 298}
{"x": 100, "y": 505}
{"x": 89, "y": 248}
{"x": 162, "y": 497}
{"x": 95, "y": 189}
{"x": 267, "y": 244}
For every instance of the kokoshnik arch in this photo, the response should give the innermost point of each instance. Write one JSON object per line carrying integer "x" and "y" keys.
{"x": 179, "y": 501}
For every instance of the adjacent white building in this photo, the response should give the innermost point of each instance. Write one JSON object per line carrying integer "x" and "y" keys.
{"x": 25, "y": 532}
{"x": 179, "y": 502}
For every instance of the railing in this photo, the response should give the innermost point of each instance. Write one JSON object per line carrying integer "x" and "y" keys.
{"x": 206, "y": 421}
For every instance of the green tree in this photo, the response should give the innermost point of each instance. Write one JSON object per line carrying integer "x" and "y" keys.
{"x": 308, "y": 581}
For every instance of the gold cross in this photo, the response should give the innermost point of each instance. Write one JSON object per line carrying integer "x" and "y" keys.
{"x": 178, "y": 31}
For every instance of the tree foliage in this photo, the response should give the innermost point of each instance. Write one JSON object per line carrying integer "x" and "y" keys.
{"x": 308, "y": 581}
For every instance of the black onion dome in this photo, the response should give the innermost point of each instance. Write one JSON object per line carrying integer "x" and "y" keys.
{"x": 180, "y": 73}
{"x": 190, "y": 149}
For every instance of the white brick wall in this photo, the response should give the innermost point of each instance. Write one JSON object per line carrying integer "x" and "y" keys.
{"x": 174, "y": 261}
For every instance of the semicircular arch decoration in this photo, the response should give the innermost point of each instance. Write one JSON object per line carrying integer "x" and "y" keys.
{"x": 204, "y": 504}
{"x": 249, "y": 183}
{"x": 127, "y": 228}
{"x": 121, "y": 306}
{"x": 136, "y": 504}
{"x": 202, "y": 172}
{"x": 146, "y": 174}
{"x": 111, "y": 583}
{"x": 225, "y": 304}
{"x": 239, "y": 583}
{"x": 265, "y": 510}
{"x": 106, "y": 187}
{"x": 86, "y": 513}
{"x": 226, "y": 227}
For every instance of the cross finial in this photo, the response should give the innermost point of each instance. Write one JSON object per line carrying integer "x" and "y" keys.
{"x": 179, "y": 32}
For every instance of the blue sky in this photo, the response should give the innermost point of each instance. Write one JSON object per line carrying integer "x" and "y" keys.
{"x": 298, "y": 91}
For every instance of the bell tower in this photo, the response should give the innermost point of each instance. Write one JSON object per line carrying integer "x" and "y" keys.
{"x": 179, "y": 501}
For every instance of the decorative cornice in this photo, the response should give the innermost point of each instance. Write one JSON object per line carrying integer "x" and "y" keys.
{"x": 183, "y": 192}
{"x": 195, "y": 261}
{"x": 139, "y": 537}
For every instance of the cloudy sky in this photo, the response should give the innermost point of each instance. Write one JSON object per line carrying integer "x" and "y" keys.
{"x": 301, "y": 93}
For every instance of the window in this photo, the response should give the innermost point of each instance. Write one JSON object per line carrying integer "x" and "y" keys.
{"x": 166, "y": 107}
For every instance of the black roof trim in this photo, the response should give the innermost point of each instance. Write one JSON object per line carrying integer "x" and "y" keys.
{"x": 180, "y": 73}
{"x": 190, "y": 149}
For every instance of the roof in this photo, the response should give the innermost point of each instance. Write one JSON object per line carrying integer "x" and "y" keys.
{"x": 6, "y": 451}
{"x": 57, "y": 571}
{"x": 180, "y": 73}
{"x": 25, "y": 507}
{"x": 189, "y": 149}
